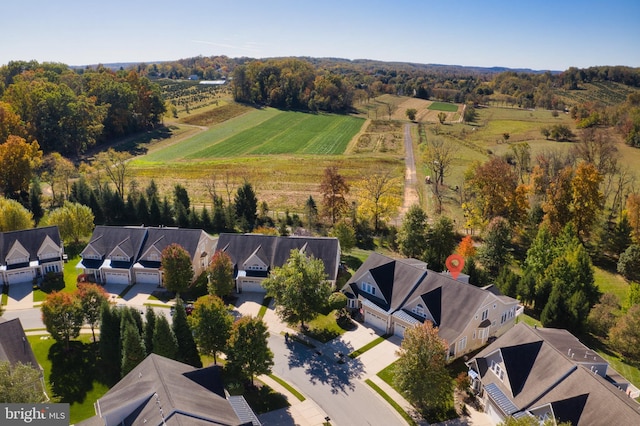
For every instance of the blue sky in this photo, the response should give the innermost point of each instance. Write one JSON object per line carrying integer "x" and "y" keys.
{"x": 537, "y": 34}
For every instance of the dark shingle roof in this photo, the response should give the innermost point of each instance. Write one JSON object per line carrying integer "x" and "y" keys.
{"x": 163, "y": 389}
{"x": 162, "y": 237}
{"x": 31, "y": 240}
{"x": 106, "y": 238}
{"x": 539, "y": 373}
{"x": 14, "y": 345}
{"x": 275, "y": 251}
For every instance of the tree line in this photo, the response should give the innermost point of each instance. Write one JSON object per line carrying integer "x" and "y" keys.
{"x": 69, "y": 111}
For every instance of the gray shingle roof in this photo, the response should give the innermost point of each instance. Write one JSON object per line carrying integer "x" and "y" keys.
{"x": 162, "y": 389}
{"x": 31, "y": 240}
{"x": 275, "y": 251}
{"x": 14, "y": 345}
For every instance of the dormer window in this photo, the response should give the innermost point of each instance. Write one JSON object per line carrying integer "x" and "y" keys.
{"x": 120, "y": 258}
{"x": 419, "y": 310}
{"x": 497, "y": 370}
{"x": 368, "y": 288}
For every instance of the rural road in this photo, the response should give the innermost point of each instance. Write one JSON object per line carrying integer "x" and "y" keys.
{"x": 410, "y": 180}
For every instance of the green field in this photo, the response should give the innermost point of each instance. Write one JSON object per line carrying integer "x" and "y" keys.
{"x": 265, "y": 132}
{"x": 443, "y": 106}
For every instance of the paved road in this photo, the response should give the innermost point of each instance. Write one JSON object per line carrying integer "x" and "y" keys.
{"x": 338, "y": 389}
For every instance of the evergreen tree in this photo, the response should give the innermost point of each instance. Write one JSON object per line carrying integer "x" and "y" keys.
{"x": 218, "y": 221}
{"x": 130, "y": 217}
{"x": 205, "y": 220}
{"x": 166, "y": 213}
{"x": 246, "y": 206}
{"x": 110, "y": 343}
{"x": 35, "y": 201}
{"x": 142, "y": 211}
{"x": 311, "y": 213}
{"x": 155, "y": 216}
{"x": 133, "y": 352}
{"x": 187, "y": 349}
{"x": 441, "y": 241}
{"x": 495, "y": 252}
{"x": 95, "y": 207}
{"x": 507, "y": 282}
{"x": 412, "y": 236}
{"x": 152, "y": 190}
{"x": 182, "y": 216}
{"x": 149, "y": 327}
{"x": 181, "y": 197}
{"x": 193, "y": 219}
{"x": 629, "y": 263}
{"x": 164, "y": 341}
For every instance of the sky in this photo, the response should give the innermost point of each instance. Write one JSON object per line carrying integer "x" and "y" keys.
{"x": 535, "y": 34}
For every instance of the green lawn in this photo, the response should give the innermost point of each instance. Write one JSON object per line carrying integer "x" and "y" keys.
{"x": 366, "y": 347}
{"x": 73, "y": 376}
{"x": 443, "y": 106}
{"x": 324, "y": 327}
{"x": 609, "y": 282}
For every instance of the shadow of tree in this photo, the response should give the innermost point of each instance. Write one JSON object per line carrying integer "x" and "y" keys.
{"x": 72, "y": 371}
{"x": 328, "y": 364}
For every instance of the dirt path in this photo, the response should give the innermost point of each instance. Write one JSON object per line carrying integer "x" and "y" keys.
{"x": 410, "y": 180}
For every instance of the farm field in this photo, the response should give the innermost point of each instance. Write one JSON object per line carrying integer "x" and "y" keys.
{"x": 443, "y": 106}
{"x": 283, "y": 154}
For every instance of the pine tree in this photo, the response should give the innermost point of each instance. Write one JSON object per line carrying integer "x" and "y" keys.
{"x": 35, "y": 201}
{"x": 164, "y": 341}
{"x": 133, "y": 352}
{"x": 142, "y": 211}
{"x": 110, "y": 343}
{"x": 187, "y": 349}
{"x": 149, "y": 327}
{"x": 155, "y": 216}
{"x": 205, "y": 220}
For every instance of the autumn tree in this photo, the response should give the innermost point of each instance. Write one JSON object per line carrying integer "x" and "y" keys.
{"x": 10, "y": 122}
{"x": 211, "y": 323}
{"x": 602, "y": 316}
{"x": 466, "y": 247}
{"x": 220, "y": 275}
{"x": 596, "y": 147}
{"x": 58, "y": 171}
{"x": 248, "y": 352}
{"x": 496, "y": 192}
{"x": 62, "y": 315}
{"x": 378, "y": 197}
{"x": 587, "y": 199}
{"x": 412, "y": 236}
{"x": 299, "y": 288}
{"x": 411, "y": 113}
{"x": 633, "y": 213}
{"x": 522, "y": 158}
{"x": 442, "y": 116}
{"x": 92, "y": 297}
{"x": 177, "y": 268}
{"x": 18, "y": 161}
{"x": 115, "y": 165}
{"x": 13, "y": 216}
{"x": 557, "y": 204}
{"x": 20, "y": 383}
{"x": 420, "y": 373}
{"x": 74, "y": 221}
{"x": 625, "y": 336}
{"x": 334, "y": 189}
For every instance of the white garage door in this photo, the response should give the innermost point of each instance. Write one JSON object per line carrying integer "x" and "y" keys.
{"x": 399, "y": 329}
{"x": 147, "y": 277}
{"x": 493, "y": 413}
{"x": 251, "y": 286}
{"x": 19, "y": 276}
{"x": 116, "y": 278}
{"x": 375, "y": 321}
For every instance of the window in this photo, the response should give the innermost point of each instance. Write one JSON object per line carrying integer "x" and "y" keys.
{"x": 368, "y": 288}
{"x": 51, "y": 268}
{"x": 154, "y": 256}
{"x": 419, "y": 310}
{"x": 462, "y": 344}
{"x": 120, "y": 258}
{"x": 352, "y": 303}
{"x": 485, "y": 314}
{"x": 498, "y": 371}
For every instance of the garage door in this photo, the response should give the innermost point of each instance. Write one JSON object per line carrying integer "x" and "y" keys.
{"x": 19, "y": 277}
{"x": 375, "y": 321}
{"x": 493, "y": 413}
{"x": 116, "y": 278}
{"x": 399, "y": 329}
{"x": 251, "y": 286}
{"x": 147, "y": 277}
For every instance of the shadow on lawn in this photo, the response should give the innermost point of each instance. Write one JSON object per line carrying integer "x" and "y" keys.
{"x": 73, "y": 371}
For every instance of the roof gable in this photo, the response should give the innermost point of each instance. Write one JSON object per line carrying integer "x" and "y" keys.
{"x": 14, "y": 346}
{"x": 518, "y": 361}
{"x": 17, "y": 252}
{"x": 48, "y": 248}
{"x": 433, "y": 301}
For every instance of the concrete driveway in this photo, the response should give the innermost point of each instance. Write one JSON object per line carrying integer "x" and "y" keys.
{"x": 20, "y": 296}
